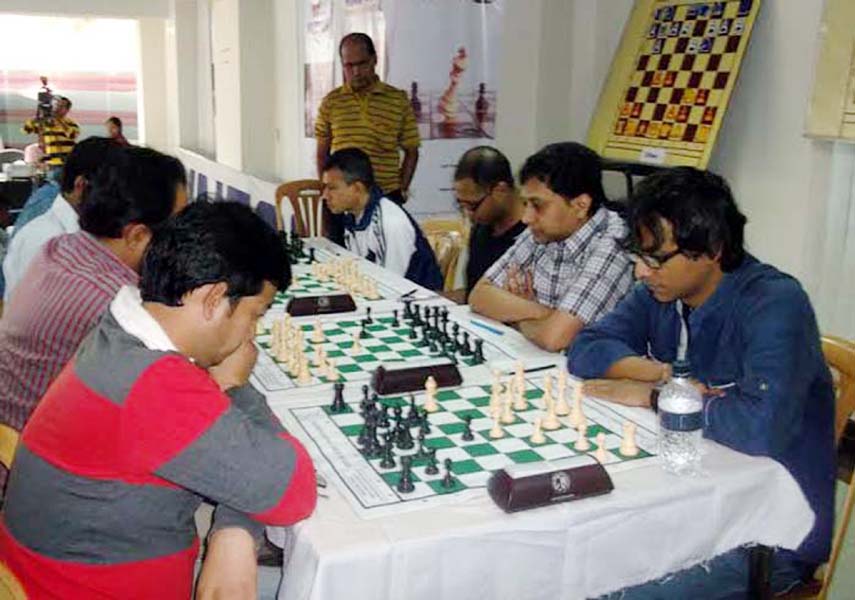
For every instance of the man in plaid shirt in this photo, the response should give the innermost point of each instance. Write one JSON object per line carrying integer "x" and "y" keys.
{"x": 568, "y": 269}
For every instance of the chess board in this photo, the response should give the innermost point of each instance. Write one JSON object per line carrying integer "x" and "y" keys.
{"x": 372, "y": 490}
{"x": 304, "y": 283}
{"x": 677, "y": 73}
{"x": 386, "y": 344}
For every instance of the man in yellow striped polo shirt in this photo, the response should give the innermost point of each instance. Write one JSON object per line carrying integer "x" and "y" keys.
{"x": 368, "y": 114}
{"x": 57, "y": 135}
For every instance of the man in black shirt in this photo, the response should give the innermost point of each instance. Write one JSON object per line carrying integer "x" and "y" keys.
{"x": 484, "y": 187}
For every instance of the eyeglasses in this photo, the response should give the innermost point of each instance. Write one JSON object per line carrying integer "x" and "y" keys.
{"x": 651, "y": 261}
{"x": 474, "y": 206}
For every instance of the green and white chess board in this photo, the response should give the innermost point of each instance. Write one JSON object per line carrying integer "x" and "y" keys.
{"x": 304, "y": 283}
{"x": 385, "y": 344}
{"x": 372, "y": 490}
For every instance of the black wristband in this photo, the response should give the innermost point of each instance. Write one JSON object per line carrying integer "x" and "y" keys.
{"x": 654, "y": 399}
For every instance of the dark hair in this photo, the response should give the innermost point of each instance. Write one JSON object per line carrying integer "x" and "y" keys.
{"x": 85, "y": 159}
{"x": 568, "y": 169}
{"x": 700, "y": 208}
{"x": 360, "y": 38}
{"x": 115, "y": 121}
{"x": 354, "y": 165}
{"x": 64, "y": 99}
{"x": 135, "y": 185}
{"x": 484, "y": 165}
{"x": 212, "y": 243}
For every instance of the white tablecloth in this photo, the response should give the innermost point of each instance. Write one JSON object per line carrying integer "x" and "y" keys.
{"x": 653, "y": 523}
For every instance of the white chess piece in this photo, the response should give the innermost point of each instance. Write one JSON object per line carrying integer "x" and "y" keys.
{"x": 356, "y": 348}
{"x": 628, "y": 447}
{"x": 507, "y": 413}
{"x": 318, "y": 333}
{"x": 600, "y": 454}
{"x": 537, "y": 437}
{"x": 304, "y": 377}
{"x": 551, "y": 421}
{"x": 332, "y": 372}
{"x": 562, "y": 409}
{"x": 496, "y": 401}
{"x": 430, "y": 404}
{"x": 582, "y": 443}
{"x": 497, "y": 432}
{"x": 576, "y": 413}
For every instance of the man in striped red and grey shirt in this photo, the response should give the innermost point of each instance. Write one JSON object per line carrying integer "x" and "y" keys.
{"x": 72, "y": 280}
{"x": 152, "y": 414}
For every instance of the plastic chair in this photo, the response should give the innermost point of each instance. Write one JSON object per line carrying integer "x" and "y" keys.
{"x": 447, "y": 239}
{"x": 306, "y": 202}
{"x": 840, "y": 355}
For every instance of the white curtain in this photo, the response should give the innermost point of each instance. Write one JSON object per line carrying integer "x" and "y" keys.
{"x": 835, "y": 301}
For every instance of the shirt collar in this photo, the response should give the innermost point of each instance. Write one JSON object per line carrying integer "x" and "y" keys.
{"x": 65, "y": 214}
{"x": 129, "y": 313}
{"x": 350, "y": 221}
{"x": 372, "y": 89}
{"x": 725, "y": 290}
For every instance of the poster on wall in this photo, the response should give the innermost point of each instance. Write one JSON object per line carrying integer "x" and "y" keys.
{"x": 443, "y": 54}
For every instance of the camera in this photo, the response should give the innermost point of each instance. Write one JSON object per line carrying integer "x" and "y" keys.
{"x": 44, "y": 108}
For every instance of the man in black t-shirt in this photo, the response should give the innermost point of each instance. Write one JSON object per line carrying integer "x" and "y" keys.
{"x": 484, "y": 188}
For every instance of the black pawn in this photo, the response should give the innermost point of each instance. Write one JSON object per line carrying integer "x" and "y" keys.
{"x": 368, "y": 318}
{"x": 479, "y": 352}
{"x": 431, "y": 468}
{"x": 413, "y": 414}
{"x": 384, "y": 417}
{"x": 412, "y": 334}
{"x": 467, "y": 430}
{"x": 395, "y": 322}
{"x": 363, "y": 332}
{"x": 466, "y": 349}
{"x": 448, "y": 478}
{"x": 425, "y": 424}
{"x": 388, "y": 461}
{"x": 399, "y": 412}
{"x": 405, "y": 483}
{"x": 338, "y": 404}
{"x": 364, "y": 395}
{"x": 422, "y": 452}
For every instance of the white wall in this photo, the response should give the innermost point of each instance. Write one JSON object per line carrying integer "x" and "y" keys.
{"x": 153, "y": 92}
{"x": 95, "y": 8}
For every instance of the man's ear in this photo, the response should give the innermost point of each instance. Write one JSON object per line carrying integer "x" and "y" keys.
{"x": 583, "y": 204}
{"x": 136, "y": 236}
{"x": 79, "y": 186}
{"x": 213, "y": 295}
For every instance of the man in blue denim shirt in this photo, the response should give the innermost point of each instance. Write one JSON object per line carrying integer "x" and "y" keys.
{"x": 751, "y": 336}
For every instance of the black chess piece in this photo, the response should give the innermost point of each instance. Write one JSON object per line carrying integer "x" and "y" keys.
{"x": 338, "y": 404}
{"x": 383, "y": 421}
{"x": 405, "y": 438}
{"x": 312, "y": 255}
{"x": 479, "y": 352}
{"x": 408, "y": 308}
{"x": 448, "y": 478}
{"x": 432, "y": 346}
{"x": 424, "y": 426}
{"x": 422, "y": 451}
{"x": 482, "y": 106}
{"x": 466, "y": 349}
{"x": 368, "y": 318}
{"x": 467, "y": 430}
{"x": 417, "y": 319}
{"x": 388, "y": 452}
{"x": 415, "y": 103}
{"x": 399, "y": 412}
{"x": 412, "y": 333}
{"x": 413, "y": 415}
{"x": 363, "y": 332}
{"x": 395, "y": 322}
{"x": 405, "y": 483}
{"x": 431, "y": 468}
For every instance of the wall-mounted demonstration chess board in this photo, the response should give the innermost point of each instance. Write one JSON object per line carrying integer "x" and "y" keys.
{"x": 671, "y": 80}
{"x": 363, "y": 445}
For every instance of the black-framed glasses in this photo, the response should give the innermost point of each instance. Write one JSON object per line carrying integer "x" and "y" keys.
{"x": 474, "y": 206}
{"x": 652, "y": 261}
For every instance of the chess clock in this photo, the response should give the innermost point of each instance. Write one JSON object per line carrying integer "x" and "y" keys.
{"x": 320, "y": 305}
{"x": 529, "y": 485}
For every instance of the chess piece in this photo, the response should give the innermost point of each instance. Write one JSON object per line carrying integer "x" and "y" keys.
{"x": 576, "y": 412}
{"x": 448, "y": 104}
{"x": 405, "y": 483}
{"x": 368, "y": 318}
{"x": 332, "y": 372}
{"x": 338, "y": 404}
{"x": 422, "y": 452}
{"x": 478, "y": 356}
{"x": 384, "y": 415}
{"x": 582, "y": 443}
{"x": 318, "y": 333}
{"x": 395, "y": 322}
{"x": 304, "y": 377}
{"x": 507, "y": 414}
{"x": 466, "y": 350}
{"x": 628, "y": 447}
{"x": 405, "y": 438}
{"x": 431, "y": 468}
{"x": 430, "y": 404}
{"x": 424, "y": 426}
{"x": 448, "y": 479}
{"x": 600, "y": 454}
{"x": 550, "y": 422}
{"x": 482, "y": 106}
{"x": 356, "y": 348}
{"x": 467, "y": 429}
{"x": 363, "y": 332}
{"x": 537, "y": 437}
{"x": 413, "y": 414}
{"x": 497, "y": 432}
{"x": 562, "y": 409}
{"x": 496, "y": 400}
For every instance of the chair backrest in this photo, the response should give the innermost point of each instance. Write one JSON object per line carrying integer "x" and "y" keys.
{"x": 11, "y": 155}
{"x": 447, "y": 238}
{"x": 8, "y": 443}
{"x": 10, "y": 587}
{"x": 306, "y": 202}
{"x": 840, "y": 355}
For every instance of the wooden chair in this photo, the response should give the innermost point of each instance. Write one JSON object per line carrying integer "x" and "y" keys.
{"x": 840, "y": 355}
{"x": 446, "y": 238}
{"x": 10, "y": 587}
{"x": 306, "y": 202}
{"x": 8, "y": 443}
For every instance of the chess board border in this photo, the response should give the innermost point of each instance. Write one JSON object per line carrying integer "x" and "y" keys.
{"x": 601, "y": 136}
{"x": 290, "y": 415}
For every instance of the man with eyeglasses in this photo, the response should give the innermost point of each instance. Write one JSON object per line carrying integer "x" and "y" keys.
{"x": 485, "y": 190}
{"x": 568, "y": 268}
{"x": 751, "y": 337}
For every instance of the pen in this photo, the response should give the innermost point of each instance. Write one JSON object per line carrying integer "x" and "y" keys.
{"x": 487, "y": 327}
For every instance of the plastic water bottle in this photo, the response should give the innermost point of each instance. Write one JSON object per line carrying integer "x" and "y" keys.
{"x": 680, "y": 422}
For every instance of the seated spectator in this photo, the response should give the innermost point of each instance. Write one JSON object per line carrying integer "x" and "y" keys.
{"x": 484, "y": 188}
{"x": 153, "y": 414}
{"x": 113, "y": 125}
{"x": 72, "y": 280}
{"x": 568, "y": 269}
{"x": 377, "y": 228}
{"x": 45, "y": 217}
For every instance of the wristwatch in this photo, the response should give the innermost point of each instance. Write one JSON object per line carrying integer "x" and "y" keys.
{"x": 654, "y": 399}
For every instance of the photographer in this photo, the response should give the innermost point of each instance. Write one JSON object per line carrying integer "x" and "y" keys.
{"x": 57, "y": 132}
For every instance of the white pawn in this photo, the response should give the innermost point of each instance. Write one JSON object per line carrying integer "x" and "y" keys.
{"x": 562, "y": 409}
{"x": 551, "y": 421}
{"x": 332, "y": 372}
{"x": 356, "y": 348}
{"x": 576, "y": 414}
{"x": 582, "y": 444}
{"x": 537, "y": 437}
{"x": 496, "y": 401}
{"x": 318, "y": 333}
{"x": 600, "y": 454}
{"x": 628, "y": 447}
{"x": 507, "y": 413}
{"x": 497, "y": 432}
{"x": 304, "y": 377}
{"x": 430, "y": 395}
{"x": 520, "y": 403}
